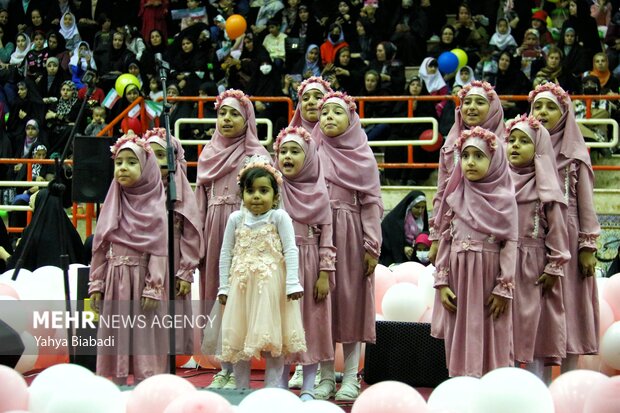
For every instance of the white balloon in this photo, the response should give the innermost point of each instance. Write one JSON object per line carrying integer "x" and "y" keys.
{"x": 403, "y": 302}
{"x": 50, "y": 283}
{"x": 601, "y": 282}
{"x": 454, "y": 395}
{"x": 53, "y": 380}
{"x": 320, "y": 406}
{"x": 29, "y": 356}
{"x": 610, "y": 346}
{"x": 512, "y": 390}
{"x": 93, "y": 395}
{"x": 425, "y": 284}
{"x": 271, "y": 400}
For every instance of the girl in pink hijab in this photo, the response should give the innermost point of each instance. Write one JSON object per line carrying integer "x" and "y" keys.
{"x": 352, "y": 179}
{"x": 305, "y": 197}
{"x": 188, "y": 241}
{"x": 479, "y": 105}
{"x": 538, "y": 305}
{"x": 217, "y": 193}
{"x": 128, "y": 270}
{"x": 552, "y": 106}
{"x": 309, "y": 93}
{"x": 475, "y": 268}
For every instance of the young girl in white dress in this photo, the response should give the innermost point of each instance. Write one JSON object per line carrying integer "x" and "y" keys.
{"x": 259, "y": 281}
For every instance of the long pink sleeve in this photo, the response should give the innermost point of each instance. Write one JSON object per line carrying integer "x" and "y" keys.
{"x": 327, "y": 251}
{"x": 589, "y": 228}
{"x": 190, "y": 252}
{"x": 556, "y": 239}
{"x": 507, "y": 265}
{"x": 98, "y": 264}
{"x": 154, "y": 280}
{"x": 371, "y": 214}
{"x": 442, "y": 179}
{"x": 442, "y": 262}
{"x": 203, "y": 202}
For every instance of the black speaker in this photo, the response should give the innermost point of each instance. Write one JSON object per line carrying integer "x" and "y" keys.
{"x": 11, "y": 346}
{"x": 405, "y": 352}
{"x": 85, "y": 360}
{"x": 93, "y": 168}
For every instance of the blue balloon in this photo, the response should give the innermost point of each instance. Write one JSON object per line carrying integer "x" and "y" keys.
{"x": 448, "y": 62}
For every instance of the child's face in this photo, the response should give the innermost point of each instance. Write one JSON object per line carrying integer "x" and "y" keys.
{"x": 98, "y": 116}
{"x": 309, "y": 102}
{"x": 127, "y": 168}
{"x": 520, "y": 149}
{"x": 31, "y": 132}
{"x": 40, "y": 154}
{"x": 431, "y": 70}
{"x": 230, "y": 123}
{"x": 536, "y": 24}
{"x": 134, "y": 70}
{"x": 334, "y": 120}
{"x": 370, "y": 81}
{"x": 21, "y": 42}
{"x": 421, "y": 247}
{"x": 153, "y": 85}
{"x": 52, "y": 42}
{"x": 344, "y": 58}
{"x": 313, "y": 54}
{"x": 273, "y": 30}
{"x": 464, "y": 74}
{"x": 259, "y": 197}
{"x": 474, "y": 163}
{"x": 187, "y": 45}
{"x": 547, "y": 112}
{"x": 418, "y": 209}
{"x": 68, "y": 20}
{"x": 52, "y": 68}
{"x": 502, "y": 27}
{"x": 291, "y": 159}
{"x": 162, "y": 160}
{"x": 553, "y": 60}
{"x": 415, "y": 88}
{"x": 475, "y": 110}
{"x": 530, "y": 40}
{"x": 82, "y": 49}
{"x": 132, "y": 93}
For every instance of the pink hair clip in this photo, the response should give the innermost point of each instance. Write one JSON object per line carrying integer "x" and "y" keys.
{"x": 232, "y": 93}
{"x": 478, "y": 83}
{"x": 313, "y": 79}
{"x": 258, "y": 161}
{"x": 291, "y": 130}
{"x": 478, "y": 132}
{"x": 557, "y": 91}
{"x": 348, "y": 100}
{"x": 530, "y": 120}
{"x": 130, "y": 138}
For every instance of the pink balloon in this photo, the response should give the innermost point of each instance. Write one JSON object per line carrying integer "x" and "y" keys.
{"x": 611, "y": 294}
{"x": 390, "y": 396}
{"x": 384, "y": 279}
{"x": 408, "y": 272}
{"x": 606, "y": 315}
{"x": 604, "y": 398}
{"x": 13, "y": 390}
{"x": 570, "y": 390}
{"x": 200, "y": 402}
{"x": 154, "y": 394}
{"x": 9, "y": 291}
{"x": 594, "y": 362}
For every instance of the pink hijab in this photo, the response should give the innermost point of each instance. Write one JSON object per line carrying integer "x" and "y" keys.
{"x": 487, "y": 205}
{"x": 135, "y": 216}
{"x": 305, "y": 195}
{"x": 185, "y": 199}
{"x": 346, "y": 159}
{"x": 224, "y": 155}
{"x": 494, "y": 121}
{"x": 313, "y": 82}
{"x": 540, "y": 179}
{"x": 566, "y": 138}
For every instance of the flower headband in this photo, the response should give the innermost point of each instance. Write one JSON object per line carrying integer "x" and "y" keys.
{"x": 481, "y": 133}
{"x": 232, "y": 93}
{"x": 559, "y": 93}
{"x": 291, "y": 130}
{"x": 349, "y": 102}
{"x": 314, "y": 79}
{"x": 130, "y": 138}
{"x": 155, "y": 132}
{"x": 531, "y": 121}
{"x": 258, "y": 161}
{"x": 486, "y": 86}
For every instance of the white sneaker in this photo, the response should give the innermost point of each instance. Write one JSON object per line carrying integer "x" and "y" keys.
{"x": 219, "y": 380}
{"x": 298, "y": 378}
{"x": 231, "y": 384}
{"x": 317, "y": 379}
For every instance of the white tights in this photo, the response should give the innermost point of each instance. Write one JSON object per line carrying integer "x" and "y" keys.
{"x": 273, "y": 372}
{"x": 351, "y": 363}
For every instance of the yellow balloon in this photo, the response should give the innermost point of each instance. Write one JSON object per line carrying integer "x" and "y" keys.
{"x": 125, "y": 80}
{"x": 461, "y": 55}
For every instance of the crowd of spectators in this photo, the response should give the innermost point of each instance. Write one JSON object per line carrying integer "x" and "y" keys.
{"x": 360, "y": 46}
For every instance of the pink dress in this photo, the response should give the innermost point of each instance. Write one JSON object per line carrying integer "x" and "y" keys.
{"x": 186, "y": 258}
{"x": 124, "y": 276}
{"x": 217, "y": 201}
{"x": 474, "y": 266}
{"x": 582, "y": 315}
{"x": 356, "y": 225}
{"x": 539, "y": 322}
{"x": 316, "y": 253}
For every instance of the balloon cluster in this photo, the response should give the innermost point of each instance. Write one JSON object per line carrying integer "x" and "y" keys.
{"x": 452, "y": 60}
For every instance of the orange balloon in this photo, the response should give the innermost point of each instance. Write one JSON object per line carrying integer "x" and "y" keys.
{"x": 235, "y": 26}
{"x": 427, "y": 135}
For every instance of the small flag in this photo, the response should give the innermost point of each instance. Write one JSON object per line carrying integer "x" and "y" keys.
{"x": 111, "y": 98}
{"x": 133, "y": 112}
{"x": 154, "y": 109}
